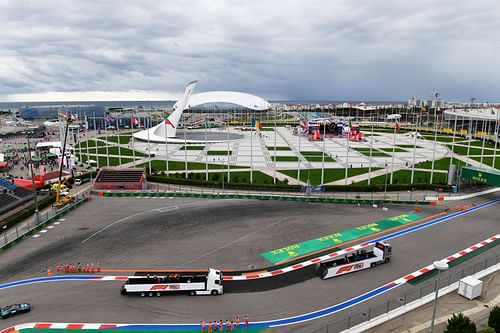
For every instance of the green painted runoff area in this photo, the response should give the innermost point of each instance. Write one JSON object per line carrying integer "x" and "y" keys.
{"x": 320, "y": 243}
{"x": 118, "y": 330}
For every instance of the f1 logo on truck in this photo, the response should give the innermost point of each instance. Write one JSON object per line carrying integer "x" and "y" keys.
{"x": 348, "y": 268}
{"x": 165, "y": 287}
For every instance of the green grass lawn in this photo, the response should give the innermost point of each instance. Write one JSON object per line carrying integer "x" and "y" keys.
{"x": 311, "y": 153}
{"x": 386, "y": 130}
{"x": 124, "y": 139}
{"x": 442, "y": 164}
{"x": 178, "y": 165}
{"x": 442, "y": 138}
{"x": 330, "y": 174}
{"x": 397, "y": 150}
{"x": 91, "y": 143}
{"x": 319, "y": 158}
{"x": 234, "y": 177}
{"x": 114, "y": 151}
{"x": 192, "y": 148}
{"x": 267, "y": 129}
{"x": 375, "y": 153}
{"x": 487, "y": 144}
{"x": 407, "y": 146}
{"x": 219, "y": 152}
{"x": 277, "y": 148}
{"x": 285, "y": 158}
{"x": 472, "y": 151}
{"x": 489, "y": 161}
{"x": 404, "y": 176}
{"x": 103, "y": 160}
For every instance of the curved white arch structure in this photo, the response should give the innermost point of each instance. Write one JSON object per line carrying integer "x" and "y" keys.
{"x": 242, "y": 99}
{"x": 167, "y": 129}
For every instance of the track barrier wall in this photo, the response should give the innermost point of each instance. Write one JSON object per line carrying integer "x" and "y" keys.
{"x": 403, "y": 300}
{"x": 28, "y": 230}
{"x": 157, "y": 194}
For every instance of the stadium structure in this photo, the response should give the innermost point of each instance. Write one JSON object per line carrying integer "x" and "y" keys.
{"x": 166, "y": 131}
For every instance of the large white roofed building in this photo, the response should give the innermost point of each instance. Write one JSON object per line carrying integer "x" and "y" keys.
{"x": 216, "y": 98}
{"x": 218, "y": 101}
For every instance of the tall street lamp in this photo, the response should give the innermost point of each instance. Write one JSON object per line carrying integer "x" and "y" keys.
{"x": 440, "y": 266}
{"x": 435, "y": 97}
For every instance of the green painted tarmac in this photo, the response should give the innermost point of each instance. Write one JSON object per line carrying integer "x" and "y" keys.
{"x": 337, "y": 238}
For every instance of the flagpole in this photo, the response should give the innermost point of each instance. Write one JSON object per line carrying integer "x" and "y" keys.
{"x": 497, "y": 128}
{"x": 146, "y": 122}
{"x": 107, "y": 145}
{"x": 206, "y": 151}
{"x": 251, "y": 151}
{"x": 119, "y": 141}
{"x": 348, "y": 148}
{"x": 435, "y": 136}
{"x": 298, "y": 156}
{"x": 185, "y": 145}
{"x": 228, "y": 167}
{"x": 393, "y": 150}
{"x": 274, "y": 162}
{"x": 323, "y": 155}
{"x": 87, "y": 136}
{"x": 370, "y": 161}
{"x": 133, "y": 139}
{"x": 453, "y": 140}
{"x": 485, "y": 129}
{"x": 95, "y": 129}
{"x": 471, "y": 124}
{"x": 166, "y": 145}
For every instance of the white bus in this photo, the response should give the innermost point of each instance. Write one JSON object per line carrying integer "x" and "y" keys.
{"x": 193, "y": 283}
{"x": 366, "y": 257}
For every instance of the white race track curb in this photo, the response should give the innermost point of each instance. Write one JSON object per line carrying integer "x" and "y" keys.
{"x": 462, "y": 197}
{"x": 416, "y": 304}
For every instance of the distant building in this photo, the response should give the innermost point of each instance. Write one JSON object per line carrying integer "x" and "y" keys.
{"x": 52, "y": 111}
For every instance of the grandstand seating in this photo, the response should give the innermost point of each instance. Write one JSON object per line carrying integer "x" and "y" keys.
{"x": 120, "y": 178}
{"x": 6, "y": 199}
{"x": 8, "y": 185}
{"x": 11, "y": 195}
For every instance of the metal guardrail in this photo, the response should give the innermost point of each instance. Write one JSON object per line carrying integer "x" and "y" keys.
{"x": 323, "y": 199}
{"x": 26, "y": 229}
{"x": 414, "y": 294}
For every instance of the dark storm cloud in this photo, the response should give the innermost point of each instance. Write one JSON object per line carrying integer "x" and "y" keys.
{"x": 360, "y": 50}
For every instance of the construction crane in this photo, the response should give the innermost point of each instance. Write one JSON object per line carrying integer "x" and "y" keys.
{"x": 61, "y": 200}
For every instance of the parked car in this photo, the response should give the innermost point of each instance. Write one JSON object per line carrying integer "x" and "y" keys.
{"x": 13, "y": 309}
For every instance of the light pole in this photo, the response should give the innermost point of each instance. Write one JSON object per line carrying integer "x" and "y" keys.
{"x": 440, "y": 266}
{"x": 33, "y": 187}
{"x": 435, "y": 95}
{"x": 5, "y": 234}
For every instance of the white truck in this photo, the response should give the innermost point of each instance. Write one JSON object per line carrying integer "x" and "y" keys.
{"x": 366, "y": 257}
{"x": 193, "y": 283}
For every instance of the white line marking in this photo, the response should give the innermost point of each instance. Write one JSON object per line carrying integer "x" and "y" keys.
{"x": 43, "y": 231}
{"x": 50, "y": 227}
{"x": 57, "y": 222}
{"x": 37, "y": 235}
{"x": 161, "y": 210}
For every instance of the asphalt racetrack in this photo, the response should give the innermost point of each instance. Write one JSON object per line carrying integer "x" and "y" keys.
{"x": 131, "y": 233}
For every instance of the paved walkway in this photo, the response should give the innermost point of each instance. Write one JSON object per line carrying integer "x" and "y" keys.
{"x": 418, "y": 321}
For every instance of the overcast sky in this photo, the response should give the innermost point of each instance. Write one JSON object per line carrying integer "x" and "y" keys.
{"x": 296, "y": 50}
